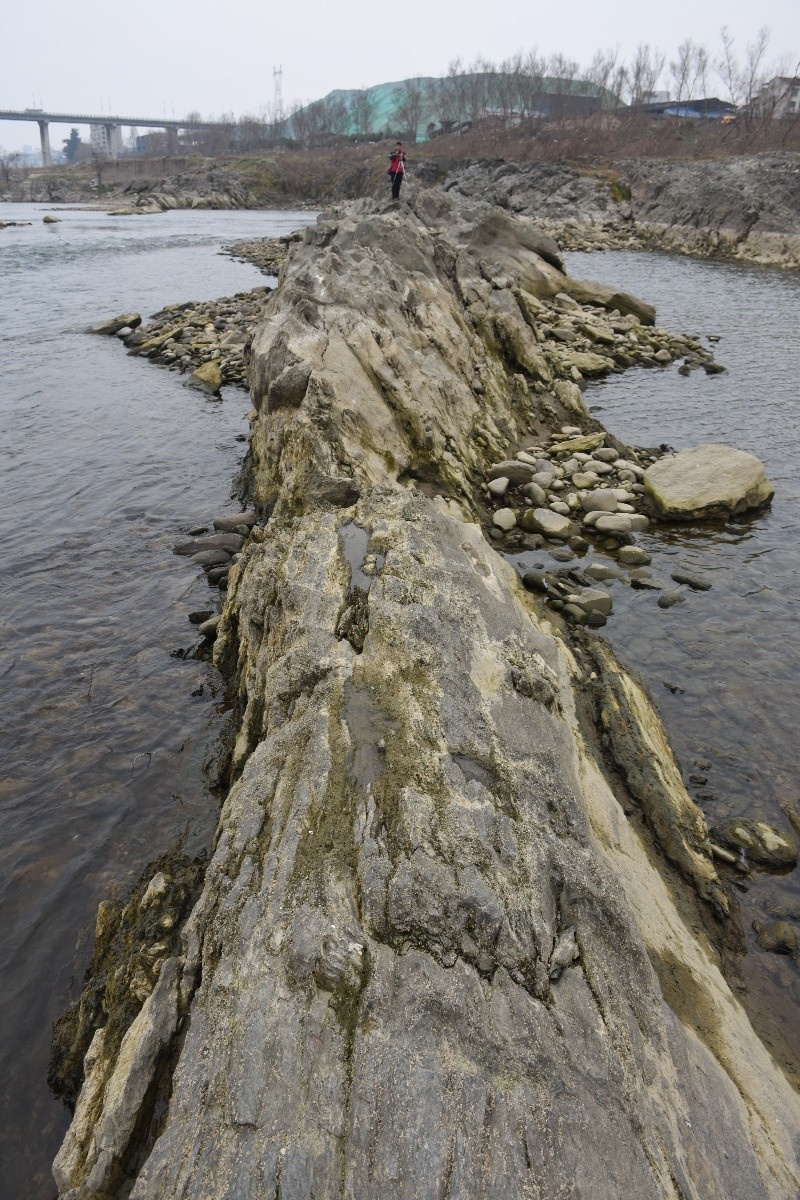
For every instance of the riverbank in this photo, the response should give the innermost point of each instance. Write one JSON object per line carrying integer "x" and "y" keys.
{"x": 742, "y": 207}
{"x": 449, "y": 815}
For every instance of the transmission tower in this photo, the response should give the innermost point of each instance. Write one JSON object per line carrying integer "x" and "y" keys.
{"x": 277, "y": 94}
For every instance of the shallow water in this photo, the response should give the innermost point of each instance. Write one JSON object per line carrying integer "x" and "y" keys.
{"x": 106, "y": 460}
{"x": 724, "y": 667}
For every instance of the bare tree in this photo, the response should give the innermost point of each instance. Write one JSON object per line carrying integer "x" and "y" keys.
{"x": 728, "y": 68}
{"x": 701, "y": 64}
{"x": 531, "y": 86}
{"x": 8, "y": 160}
{"x": 409, "y": 110}
{"x": 362, "y": 111}
{"x": 752, "y": 75}
{"x": 680, "y": 70}
{"x": 505, "y": 89}
{"x": 609, "y": 75}
{"x": 456, "y": 92}
{"x": 562, "y": 73}
{"x": 643, "y": 74}
{"x": 338, "y": 116}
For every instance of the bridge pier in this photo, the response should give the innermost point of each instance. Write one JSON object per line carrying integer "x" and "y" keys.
{"x": 172, "y": 140}
{"x": 111, "y": 140}
{"x": 44, "y": 138}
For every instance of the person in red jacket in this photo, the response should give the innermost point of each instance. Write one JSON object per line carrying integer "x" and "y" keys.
{"x": 397, "y": 169}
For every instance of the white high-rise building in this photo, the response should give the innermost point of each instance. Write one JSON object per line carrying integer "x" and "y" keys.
{"x": 106, "y": 140}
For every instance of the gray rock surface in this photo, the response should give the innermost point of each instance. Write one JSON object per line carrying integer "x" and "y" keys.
{"x": 431, "y": 957}
{"x": 763, "y": 843}
{"x": 115, "y": 324}
{"x": 746, "y": 207}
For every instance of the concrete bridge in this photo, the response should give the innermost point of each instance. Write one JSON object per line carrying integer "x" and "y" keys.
{"x": 45, "y": 119}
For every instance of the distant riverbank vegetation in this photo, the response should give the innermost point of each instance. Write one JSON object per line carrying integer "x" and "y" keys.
{"x": 698, "y": 103}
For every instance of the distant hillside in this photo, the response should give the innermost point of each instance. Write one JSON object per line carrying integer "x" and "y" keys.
{"x": 424, "y": 106}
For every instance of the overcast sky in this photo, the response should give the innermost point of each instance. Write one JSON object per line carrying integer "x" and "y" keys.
{"x": 169, "y": 57}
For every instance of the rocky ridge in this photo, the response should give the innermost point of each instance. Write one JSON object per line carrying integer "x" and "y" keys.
{"x": 432, "y": 955}
{"x": 743, "y": 208}
{"x": 209, "y": 188}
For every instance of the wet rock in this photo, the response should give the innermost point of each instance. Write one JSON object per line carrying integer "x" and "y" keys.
{"x": 218, "y": 575}
{"x": 231, "y": 522}
{"x": 613, "y": 523}
{"x": 116, "y": 324}
{"x": 762, "y": 843}
{"x": 207, "y": 377}
{"x": 670, "y": 599}
{"x": 778, "y": 936}
{"x": 601, "y": 572}
{"x": 707, "y": 481}
{"x": 642, "y": 580}
{"x": 230, "y": 542}
{"x": 535, "y": 581}
{"x": 211, "y": 558}
{"x": 592, "y": 600}
{"x": 131, "y": 941}
{"x": 561, "y": 553}
{"x": 695, "y": 582}
{"x": 208, "y": 629}
{"x": 633, "y": 556}
{"x": 542, "y": 520}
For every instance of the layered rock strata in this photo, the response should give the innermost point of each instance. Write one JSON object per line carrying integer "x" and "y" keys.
{"x": 432, "y": 956}
{"x": 746, "y": 207}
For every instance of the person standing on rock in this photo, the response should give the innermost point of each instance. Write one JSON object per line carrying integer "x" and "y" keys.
{"x": 397, "y": 169}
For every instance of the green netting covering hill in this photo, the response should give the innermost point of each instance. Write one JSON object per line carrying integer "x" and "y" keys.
{"x": 395, "y": 108}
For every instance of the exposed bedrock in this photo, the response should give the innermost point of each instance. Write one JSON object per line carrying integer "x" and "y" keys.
{"x": 745, "y": 207}
{"x": 432, "y": 956}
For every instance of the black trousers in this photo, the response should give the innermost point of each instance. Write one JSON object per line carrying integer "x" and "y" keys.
{"x": 397, "y": 179}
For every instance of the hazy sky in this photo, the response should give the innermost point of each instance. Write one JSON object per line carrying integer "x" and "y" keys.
{"x": 168, "y": 57}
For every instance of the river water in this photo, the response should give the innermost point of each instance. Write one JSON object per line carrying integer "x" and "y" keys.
{"x": 724, "y": 667}
{"x": 106, "y": 461}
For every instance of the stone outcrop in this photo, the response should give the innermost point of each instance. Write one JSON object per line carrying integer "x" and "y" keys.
{"x": 707, "y": 481}
{"x": 746, "y": 207}
{"x": 206, "y": 186}
{"x": 432, "y": 956}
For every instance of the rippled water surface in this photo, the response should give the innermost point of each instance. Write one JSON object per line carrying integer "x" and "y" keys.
{"x": 105, "y": 459}
{"x": 724, "y": 667}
